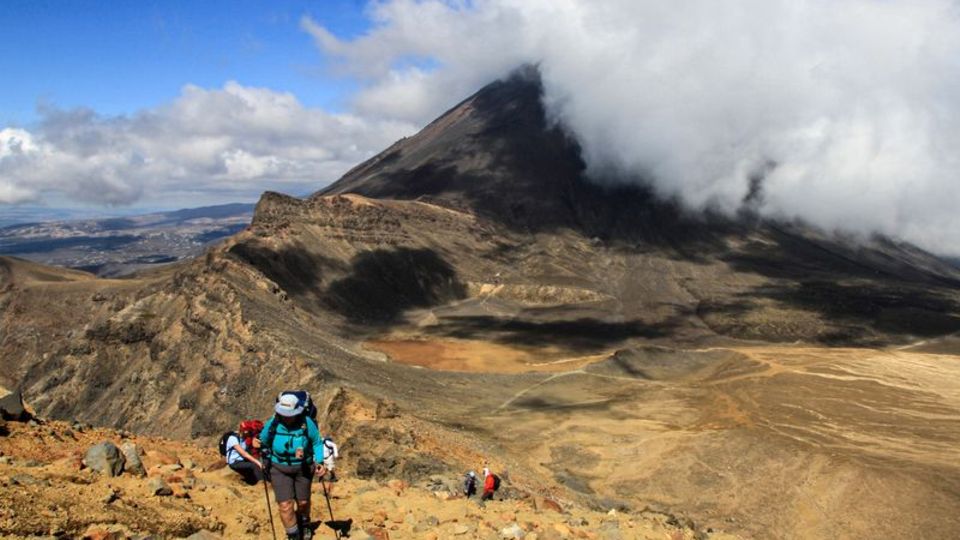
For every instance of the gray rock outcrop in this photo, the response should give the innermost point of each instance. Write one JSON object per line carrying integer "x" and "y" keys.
{"x": 105, "y": 458}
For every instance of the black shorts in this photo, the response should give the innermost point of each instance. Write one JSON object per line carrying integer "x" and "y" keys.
{"x": 291, "y": 482}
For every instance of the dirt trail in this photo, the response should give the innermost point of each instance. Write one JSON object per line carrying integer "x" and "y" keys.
{"x": 46, "y": 493}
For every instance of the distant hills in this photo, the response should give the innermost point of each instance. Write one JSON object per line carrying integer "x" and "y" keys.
{"x": 119, "y": 245}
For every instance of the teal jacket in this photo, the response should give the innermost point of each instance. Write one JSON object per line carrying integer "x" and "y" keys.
{"x": 285, "y": 443}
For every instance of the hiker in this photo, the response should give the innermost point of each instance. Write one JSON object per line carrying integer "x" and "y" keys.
{"x": 237, "y": 448}
{"x": 292, "y": 444}
{"x": 332, "y": 452}
{"x": 470, "y": 484}
{"x": 491, "y": 483}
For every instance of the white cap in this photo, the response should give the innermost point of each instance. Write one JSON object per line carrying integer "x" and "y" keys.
{"x": 288, "y": 405}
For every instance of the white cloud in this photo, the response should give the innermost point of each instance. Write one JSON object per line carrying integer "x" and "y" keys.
{"x": 857, "y": 102}
{"x": 213, "y": 144}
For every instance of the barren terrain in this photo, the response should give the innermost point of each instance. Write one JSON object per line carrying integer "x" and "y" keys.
{"x": 484, "y": 301}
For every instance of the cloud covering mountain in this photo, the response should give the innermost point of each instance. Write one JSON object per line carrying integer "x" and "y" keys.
{"x": 845, "y": 113}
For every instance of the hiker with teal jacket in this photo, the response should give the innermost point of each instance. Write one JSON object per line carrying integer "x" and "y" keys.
{"x": 292, "y": 448}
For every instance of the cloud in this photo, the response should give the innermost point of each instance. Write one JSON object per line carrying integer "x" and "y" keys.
{"x": 233, "y": 142}
{"x": 849, "y": 110}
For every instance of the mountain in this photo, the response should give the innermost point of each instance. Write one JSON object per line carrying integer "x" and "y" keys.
{"x": 597, "y": 342}
{"x": 119, "y": 246}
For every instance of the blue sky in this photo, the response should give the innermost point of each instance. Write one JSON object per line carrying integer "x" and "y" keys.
{"x": 118, "y": 57}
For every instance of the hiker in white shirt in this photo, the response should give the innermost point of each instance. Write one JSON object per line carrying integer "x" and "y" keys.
{"x": 331, "y": 452}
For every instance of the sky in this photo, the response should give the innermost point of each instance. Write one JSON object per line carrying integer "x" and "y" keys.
{"x": 845, "y": 113}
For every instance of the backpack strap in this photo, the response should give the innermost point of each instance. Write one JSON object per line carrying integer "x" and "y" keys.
{"x": 272, "y": 434}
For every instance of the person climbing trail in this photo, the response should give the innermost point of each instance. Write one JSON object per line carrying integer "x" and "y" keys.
{"x": 292, "y": 447}
{"x": 491, "y": 483}
{"x": 332, "y": 453}
{"x": 470, "y": 484}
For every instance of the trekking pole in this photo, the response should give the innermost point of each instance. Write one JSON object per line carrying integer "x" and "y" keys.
{"x": 266, "y": 494}
{"x": 326, "y": 496}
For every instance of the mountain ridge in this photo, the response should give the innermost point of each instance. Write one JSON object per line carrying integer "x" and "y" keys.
{"x": 454, "y": 281}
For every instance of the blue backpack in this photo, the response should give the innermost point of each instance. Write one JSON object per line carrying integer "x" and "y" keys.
{"x": 309, "y": 411}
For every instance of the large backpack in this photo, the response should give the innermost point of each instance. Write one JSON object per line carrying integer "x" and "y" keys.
{"x": 304, "y": 399}
{"x": 309, "y": 411}
{"x": 249, "y": 430}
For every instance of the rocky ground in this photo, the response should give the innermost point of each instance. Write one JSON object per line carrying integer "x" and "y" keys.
{"x": 52, "y": 488}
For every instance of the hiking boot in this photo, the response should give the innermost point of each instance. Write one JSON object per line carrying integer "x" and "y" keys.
{"x": 306, "y": 534}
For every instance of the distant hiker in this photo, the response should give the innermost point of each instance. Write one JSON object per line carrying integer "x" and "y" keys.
{"x": 291, "y": 443}
{"x": 237, "y": 448}
{"x": 491, "y": 483}
{"x": 332, "y": 453}
{"x": 470, "y": 484}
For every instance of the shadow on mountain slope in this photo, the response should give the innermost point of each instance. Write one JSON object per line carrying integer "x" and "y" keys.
{"x": 578, "y": 335}
{"x": 887, "y": 307}
{"x": 381, "y": 284}
{"x": 294, "y": 268}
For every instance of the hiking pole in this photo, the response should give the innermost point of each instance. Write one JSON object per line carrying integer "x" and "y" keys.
{"x": 266, "y": 494}
{"x": 326, "y": 496}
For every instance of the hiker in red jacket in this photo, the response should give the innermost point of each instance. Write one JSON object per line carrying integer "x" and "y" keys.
{"x": 489, "y": 485}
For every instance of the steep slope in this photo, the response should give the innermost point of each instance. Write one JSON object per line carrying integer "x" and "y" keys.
{"x": 497, "y": 157}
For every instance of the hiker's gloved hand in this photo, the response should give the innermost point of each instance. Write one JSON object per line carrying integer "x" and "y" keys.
{"x": 320, "y": 471}
{"x": 299, "y": 453}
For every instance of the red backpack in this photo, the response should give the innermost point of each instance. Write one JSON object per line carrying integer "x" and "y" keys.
{"x": 248, "y": 430}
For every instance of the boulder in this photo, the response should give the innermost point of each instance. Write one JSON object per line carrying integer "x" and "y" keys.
{"x": 111, "y": 495}
{"x": 131, "y": 453}
{"x": 26, "y": 480}
{"x": 158, "y": 487}
{"x": 512, "y": 531}
{"x": 105, "y": 458}
{"x": 12, "y": 408}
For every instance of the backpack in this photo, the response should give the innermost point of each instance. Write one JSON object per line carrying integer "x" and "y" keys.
{"x": 253, "y": 427}
{"x": 496, "y": 482}
{"x": 309, "y": 411}
{"x": 250, "y": 429}
{"x": 303, "y": 397}
{"x": 329, "y": 445}
{"x": 222, "y": 445}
